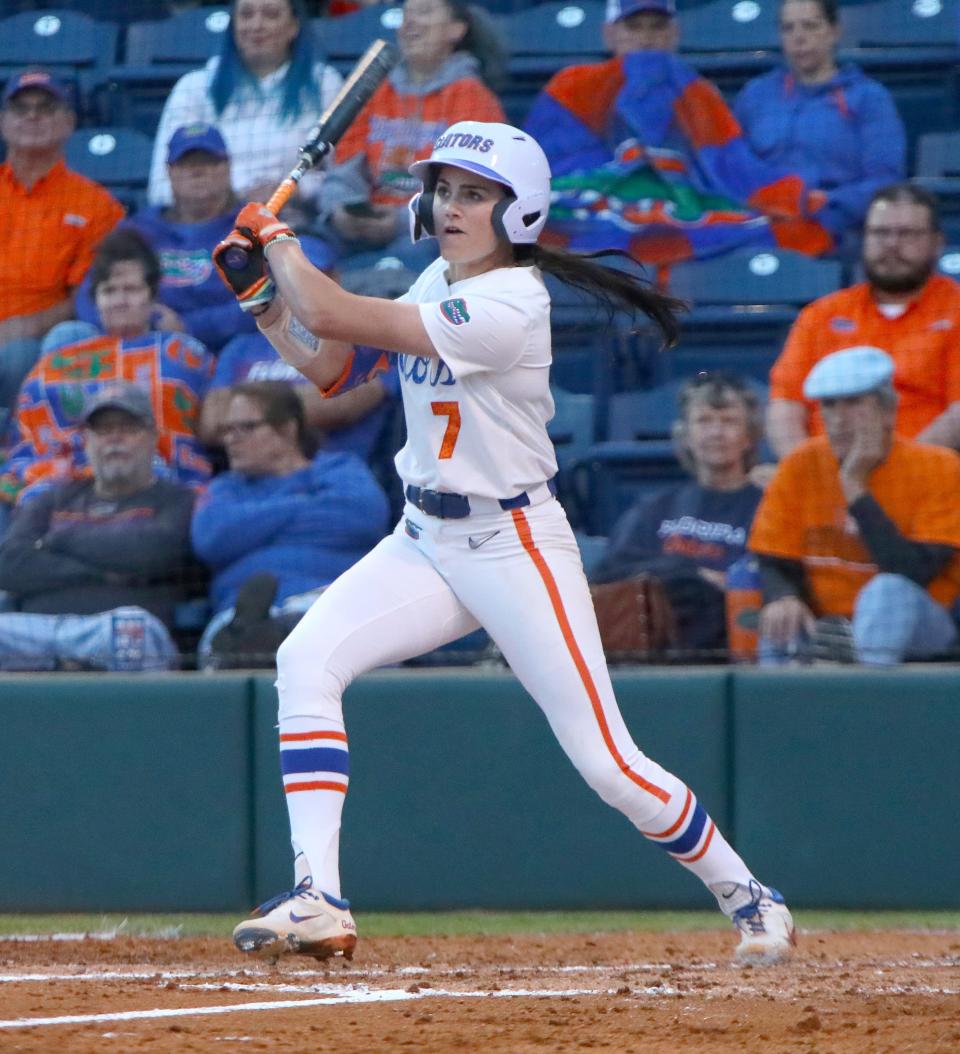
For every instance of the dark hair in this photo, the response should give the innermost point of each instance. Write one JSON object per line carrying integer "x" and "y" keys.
{"x": 299, "y": 88}
{"x": 717, "y": 388}
{"x": 280, "y": 403}
{"x": 119, "y": 246}
{"x": 913, "y": 194}
{"x": 483, "y": 40}
{"x": 615, "y": 289}
{"x": 830, "y": 9}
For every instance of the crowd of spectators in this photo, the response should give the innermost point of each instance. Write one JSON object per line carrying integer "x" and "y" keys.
{"x": 156, "y": 451}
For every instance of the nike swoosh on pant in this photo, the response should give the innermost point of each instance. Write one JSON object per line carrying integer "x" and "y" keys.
{"x": 475, "y": 543}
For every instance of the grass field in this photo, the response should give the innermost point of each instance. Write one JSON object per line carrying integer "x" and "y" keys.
{"x": 463, "y": 923}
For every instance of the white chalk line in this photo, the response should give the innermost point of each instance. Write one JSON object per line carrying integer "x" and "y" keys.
{"x": 356, "y": 996}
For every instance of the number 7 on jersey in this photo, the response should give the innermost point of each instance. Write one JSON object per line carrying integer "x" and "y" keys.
{"x": 452, "y": 412}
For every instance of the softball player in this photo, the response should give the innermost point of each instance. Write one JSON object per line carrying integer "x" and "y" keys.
{"x": 482, "y": 540}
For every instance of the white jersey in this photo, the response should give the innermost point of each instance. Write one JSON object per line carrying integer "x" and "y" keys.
{"x": 477, "y": 416}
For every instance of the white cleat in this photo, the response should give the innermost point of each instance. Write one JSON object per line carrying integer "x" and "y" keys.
{"x": 302, "y": 921}
{"x": 767, "y": 933}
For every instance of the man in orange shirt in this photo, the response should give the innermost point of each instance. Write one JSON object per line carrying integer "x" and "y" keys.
{"x": 51, "y": 220}
{"x": 903, "y": 307}
{"x": 858, "y": 531}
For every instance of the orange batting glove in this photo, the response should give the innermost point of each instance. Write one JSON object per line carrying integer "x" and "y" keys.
{"x": 263, "y": 226}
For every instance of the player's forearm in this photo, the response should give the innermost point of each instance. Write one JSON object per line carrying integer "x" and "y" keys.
{"x": 320, "y": 361}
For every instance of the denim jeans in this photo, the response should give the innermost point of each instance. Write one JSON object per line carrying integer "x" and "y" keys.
{"x": 893, "y": 619}
{"x": 51, "y": 642}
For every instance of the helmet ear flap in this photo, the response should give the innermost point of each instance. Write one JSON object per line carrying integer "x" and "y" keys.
{"x": 497, "y": 217}
{"x": 425, "y": 212}
{"x": 420, "y": 207}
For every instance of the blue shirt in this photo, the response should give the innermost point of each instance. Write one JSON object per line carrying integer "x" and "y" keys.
{"x": 305, "y": 528}
{"x": 844, "y": 136}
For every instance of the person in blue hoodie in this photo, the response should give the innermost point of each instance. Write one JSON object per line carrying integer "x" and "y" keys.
{"x": 280, "y": 525}
{"x": 192, "y": 299}
{"x": 831, "y": 124}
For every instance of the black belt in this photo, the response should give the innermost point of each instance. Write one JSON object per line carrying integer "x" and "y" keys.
{"x": 447, "y": 506}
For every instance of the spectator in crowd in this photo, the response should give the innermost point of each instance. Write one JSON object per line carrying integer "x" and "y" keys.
{"x": 281, "y": 524}
{"x": 174, "y": 368}
{"x": 859, "y": 529}
{"x": 351, "y": 423}
{"x": 447, "y": 51}
{"x": 833, "y": 125}
{"x": 903, "y": 307}
{"x": 689, "y": 534}
{"x": 263, "y": 91}
{"x": 51, "y": 220}
{"x": 647, "y": 157}
{"x": 190, "y": 298}
{"x": 96, "y": 565}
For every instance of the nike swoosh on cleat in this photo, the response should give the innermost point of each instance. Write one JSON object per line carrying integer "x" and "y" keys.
{"x": 480, "y": 539}
{"x": 305, "y": 918}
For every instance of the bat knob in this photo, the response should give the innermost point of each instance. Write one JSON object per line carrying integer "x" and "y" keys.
{"x": 235, "y": 258}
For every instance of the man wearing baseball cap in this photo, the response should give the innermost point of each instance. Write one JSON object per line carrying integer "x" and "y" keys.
{"x": 647, "y": 158}
{"x": 51, "y": 220}
{"x": 641, "y": 25}
{"x": 112, "y": 551}
{"x": 190, "y": 298}
{"x": 859, "y": 531}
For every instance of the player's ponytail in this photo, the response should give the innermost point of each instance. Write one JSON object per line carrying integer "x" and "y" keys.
{"x": 618, "y": 290}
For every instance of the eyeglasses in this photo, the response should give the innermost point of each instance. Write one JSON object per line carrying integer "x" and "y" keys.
{"x": 42, "y": 108}
{"x": 241, "y": 428}
{"x": 911, "y": 234}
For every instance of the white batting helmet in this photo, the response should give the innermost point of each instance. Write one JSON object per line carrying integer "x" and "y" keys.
{"x": 499, "y": 152}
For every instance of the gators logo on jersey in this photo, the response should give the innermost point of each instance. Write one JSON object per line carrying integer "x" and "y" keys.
{"x": 455, "y": 311}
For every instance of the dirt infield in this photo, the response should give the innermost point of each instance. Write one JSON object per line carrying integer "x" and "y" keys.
{"x": 845, "y": 992}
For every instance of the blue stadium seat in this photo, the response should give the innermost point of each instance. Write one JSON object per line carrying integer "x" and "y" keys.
{"x": 157, "y": 53}
{"x": 571, "y": 431}
{"x": 913, "y": 49}
{"x": 543, "y": 39}
{"x": 938, "y": 169}
{"x": 71, "y": 44}
{"x": 949, "y": 262}
{"x": 346, "y": 38}
{"x": 119, "y": 158}
{"x": 755, "y": 277}
{"x": 741, "y": 307}
{"x": 730, "y": 25}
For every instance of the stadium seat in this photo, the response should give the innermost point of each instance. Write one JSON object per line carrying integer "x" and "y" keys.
{"x": 938, "y": 169}
{"x": 156, "y": 55}
{"x": 71, "y": 44}
{"x": 730, "y": 41}
{"x": 913, "y": 49}
{"x": 343, "y": 40}
{"x": 949, "y": 262}
{"x": 119, "y": 158}
{"x": 741, "y": 307}
{"x": 543, "y": 39}
{"x": 571, "y": 431}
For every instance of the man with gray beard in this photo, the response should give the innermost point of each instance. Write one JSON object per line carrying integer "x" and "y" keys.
{"x": 94, "y": 567}
{"x": 903, "y": 307}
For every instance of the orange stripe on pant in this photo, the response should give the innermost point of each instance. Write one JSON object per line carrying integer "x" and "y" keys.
{"x": 299, "y": 737}
{"x": 526, "y": 540}
{"x": 676, "y": 826}
{"x": 314, "y": 785}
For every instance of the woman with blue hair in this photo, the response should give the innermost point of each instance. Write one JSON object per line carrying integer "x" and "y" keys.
{"x": 264, "y": 92}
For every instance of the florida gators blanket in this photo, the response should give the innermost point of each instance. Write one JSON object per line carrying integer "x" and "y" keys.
{"x": 647, "y": 157}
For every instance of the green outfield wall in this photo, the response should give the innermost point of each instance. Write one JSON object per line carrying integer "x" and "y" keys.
{"x": 163, "y": 793}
